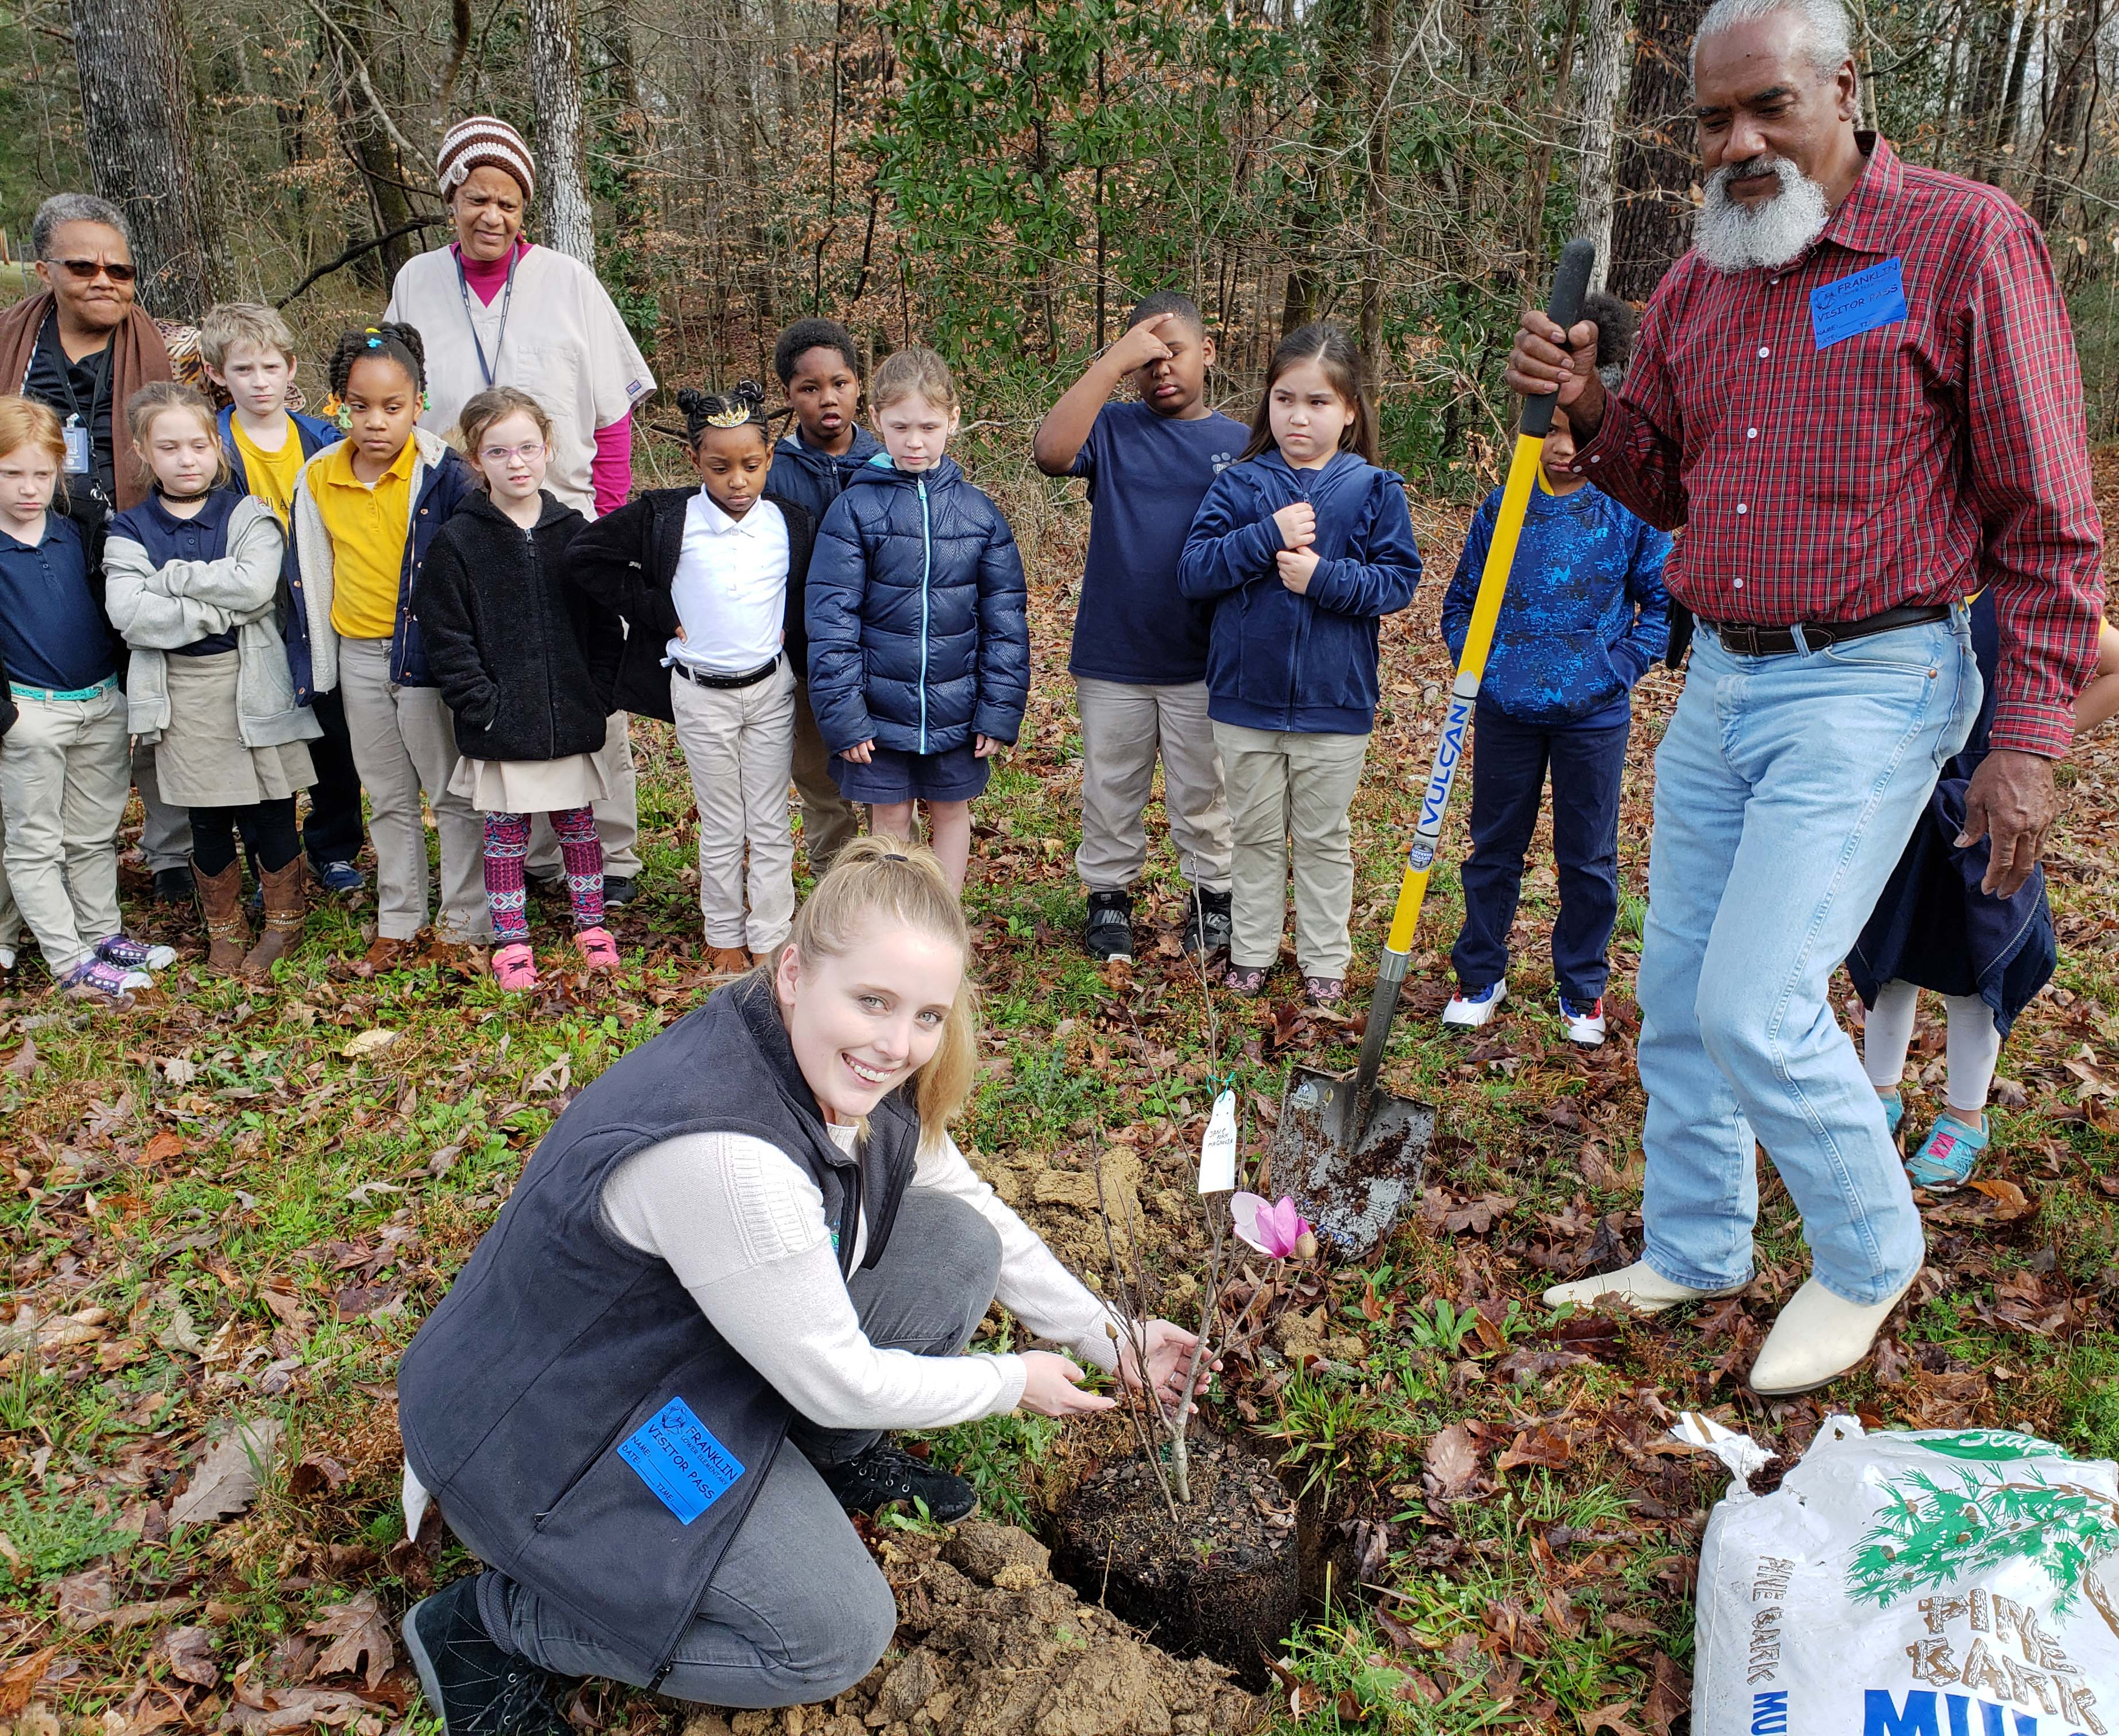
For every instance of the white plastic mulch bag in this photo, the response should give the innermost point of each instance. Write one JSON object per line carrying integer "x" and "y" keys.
{"x": 1918, "y": 1584}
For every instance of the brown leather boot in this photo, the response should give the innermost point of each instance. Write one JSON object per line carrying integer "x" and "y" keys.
{"x": 227, "y": 929}
{"x": 286, "y": 906}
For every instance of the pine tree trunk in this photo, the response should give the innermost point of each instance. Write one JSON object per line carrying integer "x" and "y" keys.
{"x": 565, "y": 221}
{"x": 136, "y": 125}
{"x": 1602, "y": 60}
{"x": 1656, "y": 166}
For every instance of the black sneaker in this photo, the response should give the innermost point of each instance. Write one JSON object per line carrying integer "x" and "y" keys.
{"x": 618, "y": 891}
{"x": 1109, "y": 932}
{"x": 175, "y": 886}
{"x": 479, "y": 1689}
{"x": 875, "y": 1478}
{"x": 1208, "y": 924}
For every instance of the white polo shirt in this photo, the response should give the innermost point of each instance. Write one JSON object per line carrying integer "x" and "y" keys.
{"x": 730, "y": 587}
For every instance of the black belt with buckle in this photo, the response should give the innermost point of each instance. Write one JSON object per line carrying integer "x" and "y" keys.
{"x": 707, "y": 678}
{"x": 1748, "y": 639}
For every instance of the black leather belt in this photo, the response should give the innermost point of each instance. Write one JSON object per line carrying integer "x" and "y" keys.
{"x": 1748, "y": 639}
{"x": 707, "y": 678}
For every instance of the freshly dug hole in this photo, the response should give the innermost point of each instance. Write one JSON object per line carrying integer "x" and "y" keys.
{"x": 989, "y": 1643}
{"x": 1225, "y": 1581}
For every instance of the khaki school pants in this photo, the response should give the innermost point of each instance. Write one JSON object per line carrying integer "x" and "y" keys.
{"x": 829, "y": 821}
{"x": 617, "y": 815}
{"x": 1283, "y": 786}
{"x": 1124, "y": 727}
{"x": 404, "y": 741}
{"x": 738, "y": 743}
{"x": 66, "y": 772}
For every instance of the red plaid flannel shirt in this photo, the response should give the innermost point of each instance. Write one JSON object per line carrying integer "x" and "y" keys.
{"x": 1915, "y": 463}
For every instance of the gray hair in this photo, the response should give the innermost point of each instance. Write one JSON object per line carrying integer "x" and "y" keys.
{"x": 1826, "y": 39}
{"x": 72, "y": 207}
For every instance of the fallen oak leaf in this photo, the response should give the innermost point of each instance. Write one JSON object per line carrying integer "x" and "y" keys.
{"x": 1611, "y": 1717}
{"x": 226, "y": 1480}
{"x": 20, "y": 1680}
{"x": 263, "y": 1712}
{"x": 165, "y": 1146}
{"x": 2010, "y": 1201}
{"x": 357, "y": 1630}
{"x": 1670, "y": 1696}
{"x": 188, "y": 1651}
{"x": 83, "y": 1599}
{"x": 1543, "y": 1446}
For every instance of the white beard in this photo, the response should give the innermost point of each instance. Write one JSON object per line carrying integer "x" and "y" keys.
{"x": 1733, "y": 236}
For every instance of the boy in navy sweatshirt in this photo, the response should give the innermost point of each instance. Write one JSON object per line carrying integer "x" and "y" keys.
{"x": 820, "y": 371}
{"x": 1585, "y": 616}
{"x": 1140, "y": 659}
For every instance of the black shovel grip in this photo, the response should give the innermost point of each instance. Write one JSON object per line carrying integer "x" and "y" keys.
{"x": 1570, "y": 283}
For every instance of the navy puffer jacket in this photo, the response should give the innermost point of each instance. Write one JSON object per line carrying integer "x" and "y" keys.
{"x": 919, "y": 637}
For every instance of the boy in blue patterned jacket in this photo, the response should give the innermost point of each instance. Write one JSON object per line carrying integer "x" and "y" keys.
{"x": 1585, "y": 617}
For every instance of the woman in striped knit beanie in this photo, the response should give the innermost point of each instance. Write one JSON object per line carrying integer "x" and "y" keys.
{"x": 497, "y": 311}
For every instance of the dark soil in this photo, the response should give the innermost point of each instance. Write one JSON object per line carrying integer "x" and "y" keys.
{"x": 1352, "y": 1198}
{"x": 1223, "y": 1582}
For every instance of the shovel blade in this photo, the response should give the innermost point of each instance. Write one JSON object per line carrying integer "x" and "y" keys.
{"x": 1352, "y": 1181}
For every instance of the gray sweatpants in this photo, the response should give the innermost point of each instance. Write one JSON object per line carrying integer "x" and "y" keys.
{"x": 798, "y": 1611}
{"x": 404, "y": 741}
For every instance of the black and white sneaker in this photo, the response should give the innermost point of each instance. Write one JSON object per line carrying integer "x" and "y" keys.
{"x": 478, "y": 1689}
{"x": 1108, "y": 934}
{"x": 1207, "y": 923}
{"x": 873, "y": 1479}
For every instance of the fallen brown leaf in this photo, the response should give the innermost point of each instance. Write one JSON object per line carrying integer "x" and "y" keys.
{"x": 1451, "y": 1462}
{"x": 226, "y": 1480}
{"x": 20, "y": 1680}
{"x": 188, "y": 1651}
{"x": 358, "y": 1630}
{"x": 85, "y": 1598}
{"x": 1611, "y": 1717}
{"x": 1670, "y": 1696}
{"x": 1545, "y": 1446}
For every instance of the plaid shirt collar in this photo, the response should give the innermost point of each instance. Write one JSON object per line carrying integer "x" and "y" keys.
{"x": 1867, "y": 219}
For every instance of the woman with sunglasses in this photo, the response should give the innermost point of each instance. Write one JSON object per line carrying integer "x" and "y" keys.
{"x": 82, "y": 348}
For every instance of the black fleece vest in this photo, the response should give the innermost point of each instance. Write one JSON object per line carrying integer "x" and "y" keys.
{"x": 567, "y": 1403}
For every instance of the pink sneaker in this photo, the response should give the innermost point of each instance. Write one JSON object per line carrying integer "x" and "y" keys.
{"x": 515, "y": 966}
{"x": 598, "y": 948}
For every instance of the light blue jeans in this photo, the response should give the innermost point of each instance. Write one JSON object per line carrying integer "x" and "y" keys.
{"x": 1786, "y": 788}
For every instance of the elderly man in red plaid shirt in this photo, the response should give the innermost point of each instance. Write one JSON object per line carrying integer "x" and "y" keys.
{"x": 1859, "y": 396}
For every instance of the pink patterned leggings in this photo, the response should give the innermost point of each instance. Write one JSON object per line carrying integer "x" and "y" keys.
{"x": 507, "y": 842}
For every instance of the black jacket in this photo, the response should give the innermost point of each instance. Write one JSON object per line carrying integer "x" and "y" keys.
{"x": 520, "y": 657}
{"x": 566, "y": 1403}
{"x": 625, "y": 563}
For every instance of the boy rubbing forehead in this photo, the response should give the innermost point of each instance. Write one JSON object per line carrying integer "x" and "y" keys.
{"x": 1173, "y": 380}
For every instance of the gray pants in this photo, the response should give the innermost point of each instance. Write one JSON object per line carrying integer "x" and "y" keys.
{"x": 1285, "y": 787}
{"x": 64, "y": 779}
{"x": 1122, "y": 729}
{"x": 404, "y": 741}
{"x": 798, "y": 1612}
{"x": 829, "y": 821}
{"x": 165, "y": 834}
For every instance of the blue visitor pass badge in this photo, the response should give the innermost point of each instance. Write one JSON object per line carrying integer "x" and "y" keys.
{"x": 675, "y": 1457}
{"x": 1860, "y": 303}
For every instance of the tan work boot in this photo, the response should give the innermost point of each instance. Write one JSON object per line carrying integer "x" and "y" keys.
{"x": 227, "y": 929}
{"x": 286, "y": 907}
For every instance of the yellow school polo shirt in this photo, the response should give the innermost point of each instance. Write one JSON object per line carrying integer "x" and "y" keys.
{"x": 367, "y": 527}
{"x": 271, "y": 474}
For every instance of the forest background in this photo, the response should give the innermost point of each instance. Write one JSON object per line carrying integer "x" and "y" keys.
{"x": 1003, "y": 178}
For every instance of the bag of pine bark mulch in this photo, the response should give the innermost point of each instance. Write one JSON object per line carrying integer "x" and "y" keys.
{"x": 1924, "y": 1583}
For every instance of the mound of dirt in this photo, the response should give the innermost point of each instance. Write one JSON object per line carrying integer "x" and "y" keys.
{"x": 989, "y": 1643}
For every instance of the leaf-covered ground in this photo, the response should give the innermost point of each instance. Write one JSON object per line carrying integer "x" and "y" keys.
{"x": 229, "y": 1209}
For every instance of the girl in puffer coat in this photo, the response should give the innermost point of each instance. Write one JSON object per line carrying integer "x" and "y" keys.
{"x": 919, "y": 641}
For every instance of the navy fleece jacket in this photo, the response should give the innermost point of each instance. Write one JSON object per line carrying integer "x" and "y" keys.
{"x": 1306, "y": 664}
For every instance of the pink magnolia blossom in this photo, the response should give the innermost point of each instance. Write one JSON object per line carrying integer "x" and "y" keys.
{"x": 1273, "y": 1230}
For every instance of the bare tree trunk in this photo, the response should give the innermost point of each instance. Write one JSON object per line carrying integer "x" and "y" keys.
{"x": 566, "y": 223}
{"x": 2063, "y": 144}
{"x": 1374, "y": 201}
{"x": 370, "y": 136}
{"x": 135, "y": 126}
{"x": 1652, "y": 224}
{"x": 1602, "y": 56}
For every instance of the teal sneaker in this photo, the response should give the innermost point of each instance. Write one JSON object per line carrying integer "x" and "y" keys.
{"x": 1948, "y": 1154}
{"x": 1895, "y": 1111}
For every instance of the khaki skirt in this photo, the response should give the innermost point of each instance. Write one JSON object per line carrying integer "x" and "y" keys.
{"x": 201, "y": 761}
{"x": 530, "y": 785}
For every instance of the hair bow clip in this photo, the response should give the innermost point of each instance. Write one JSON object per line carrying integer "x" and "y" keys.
{"x": 730, "y": 415}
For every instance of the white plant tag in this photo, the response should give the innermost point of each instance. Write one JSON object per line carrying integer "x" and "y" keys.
{"x": 1218, "y": 1148}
